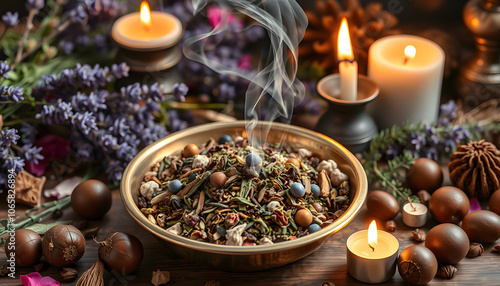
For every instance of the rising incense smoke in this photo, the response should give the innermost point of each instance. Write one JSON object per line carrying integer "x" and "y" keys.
{"x": 275, "y": 84}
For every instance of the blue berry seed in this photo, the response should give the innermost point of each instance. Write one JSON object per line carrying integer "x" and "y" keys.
{"x": 192, "y": 177}
{"x": 297, "y": 190}
{"x": 252, "y": 160}
{"x": 225, "y": 139}
{"x": 316, "y": 191}
{"x": 221, "y": 231}
{"x": 175, "y": 186}
{"x": 313, "y": 228}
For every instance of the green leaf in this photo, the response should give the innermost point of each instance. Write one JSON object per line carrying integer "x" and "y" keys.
{"x": 42, "y": 228}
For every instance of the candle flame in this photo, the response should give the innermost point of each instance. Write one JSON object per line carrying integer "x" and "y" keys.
{"x": 410, "y": 52}
{"x": 372, "y": 235}
{"x": 145, "y": 14}
{"x": 344, "y": 47}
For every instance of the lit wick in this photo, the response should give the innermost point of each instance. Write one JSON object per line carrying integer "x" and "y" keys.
{"x": 411, "y": 205}
{"x": 410, "y": 52}
{"x": 372, "y": 235}
{"x": 145, "y": 15}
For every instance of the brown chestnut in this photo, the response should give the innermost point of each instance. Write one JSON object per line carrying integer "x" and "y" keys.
{"x": 63, "y": 245}
{"x": 218, "y": 179}
{"x": 25, "y": 246}
{"x": 121, "y": 252}
{"x": 495, "y": 202}
{"x": 382, "y": 205}
{"x": 190, "y": 150}
{"x": 417, "y": 265}
{"x": 424, "y": 174}
{"x": 482, "y": 226}
{"x": 91, "y": 199}
{"x": 449, "y": 204}
{"x": 448, "y": 242}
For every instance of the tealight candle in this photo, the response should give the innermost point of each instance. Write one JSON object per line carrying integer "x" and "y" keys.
{"x": 147, "y": 30}
{"x": 409, "y": 73}
{"x": 372, "y": 255}
{"x": 414, "y": 214}
{"x": 348, "y": 67}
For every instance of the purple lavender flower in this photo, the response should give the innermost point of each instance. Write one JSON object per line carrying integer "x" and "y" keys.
{"x": 126, "y": 152}
{"x": 84, "y": 74}
{"x": 31, "y": 153}
{"x": 10, "y": 19}
{"x": 85, "y": 151}
{"x": 392, "y": 151}
{"x": 176, "y": 123}
{"x": 430, "y": 131}
{"x": 66, "y": 46}
{"x": 132, "y": 91}
{"x": 85, "y": 122}
{"x": 431, "y": 153}
{"x": 9, "y": 136}
{"x": 448, "y": 112}
{"x": 59, "y": 114}
{"x": 459, "y": 134}
{"x": 78, "y": 15}
{"x": 108, "y": 143}
{"x": 34, "y": 4}
{"x": 28, "y": 132}
{"x": 114, "y": 169}
{"x": 4, "y": 69}
{"x": 120, "y": 127}
{"x": 152, "y": 133}
{"x": 15, "y": 163}
{"x": 179, "y": 91}
{"x": 11, "y": 93}
{"x": 155, "y": 92}
{"x": 120, "y": 70}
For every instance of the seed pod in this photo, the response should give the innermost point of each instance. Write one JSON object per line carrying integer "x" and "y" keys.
{"x": 63, "y": 245}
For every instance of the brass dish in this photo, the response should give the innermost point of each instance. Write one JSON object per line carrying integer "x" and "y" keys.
{"x": 245, "y": 258}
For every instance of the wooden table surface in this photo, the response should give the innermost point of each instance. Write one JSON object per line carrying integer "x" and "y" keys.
{"x": 326, "y": 264}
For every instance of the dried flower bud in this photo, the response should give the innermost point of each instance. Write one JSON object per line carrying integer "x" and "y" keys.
{"x": 475, "y": 249}
{"x": 279, "y": 217}
{"x": 68, "y": 274}
{"x": 328, "y": 283}
{"x": 38, "y": 267}
{"x": 447, "y": 271}
{"x": 160, "y": 277}
{"x": 424, "y": 197}
{"x": 212, "y": 283}
{"x": 418, "y": 235}
{"x": 390, "y": 225}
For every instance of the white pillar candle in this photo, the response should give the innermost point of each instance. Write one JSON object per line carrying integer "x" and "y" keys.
{"x": 414, "y": 214}
{"x": 410, "y": 88}
{"x": 348, "y": 67}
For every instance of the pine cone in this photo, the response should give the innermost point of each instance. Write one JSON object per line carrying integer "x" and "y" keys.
{"x": 475, "y": 168}
{"x": 319, "y": 46}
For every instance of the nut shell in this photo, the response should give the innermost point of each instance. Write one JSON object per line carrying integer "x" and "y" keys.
{"x": 495, "y": 202}
{"x": 449, "y": 204}
{"x": 382, "y": 205}
{"x": 417, "y": 265}
{"x": 448, "y": 242}
{"x": 424, "y": 174}
{"x": 28, "y": 247}
{"x": 475, "y": 168}
{"x": 121, "y": 252}
{"x": 482, "y": 226}
{"x": 91, "y": 199}
{"x": 63, "y": 245}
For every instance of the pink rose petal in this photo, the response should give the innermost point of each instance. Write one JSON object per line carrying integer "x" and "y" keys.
{"x": 474, "y": 205}
{"x": 216, "y": 15}
{"x": 54, "y": 147}
{"x": 35, "y": 279}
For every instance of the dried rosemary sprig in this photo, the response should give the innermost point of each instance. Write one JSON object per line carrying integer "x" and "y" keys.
{"x": 94, "y": 276}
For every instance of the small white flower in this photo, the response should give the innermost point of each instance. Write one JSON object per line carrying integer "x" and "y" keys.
{"x": 149, "y": 188}
{"x": 175, "y": 229}
{"x": 304, "y": 153}
{"x": 337, "y": 177}
{"x": 327, "y": 165}
{"x": 234, "y": 237}
{"x": 272, "y": 205}
{"x": 200, "y": 161}
{"x": 264, "y": 241}
{"x": 280, "y": 159}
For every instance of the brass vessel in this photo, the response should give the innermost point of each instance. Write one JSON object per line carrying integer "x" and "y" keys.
{"x": 245, "y": 258}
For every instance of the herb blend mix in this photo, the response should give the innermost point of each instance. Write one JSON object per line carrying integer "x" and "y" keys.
{"x": 230, "y": 193}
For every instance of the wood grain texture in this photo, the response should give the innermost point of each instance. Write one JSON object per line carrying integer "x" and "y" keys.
{"x": 326, "y": 264}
